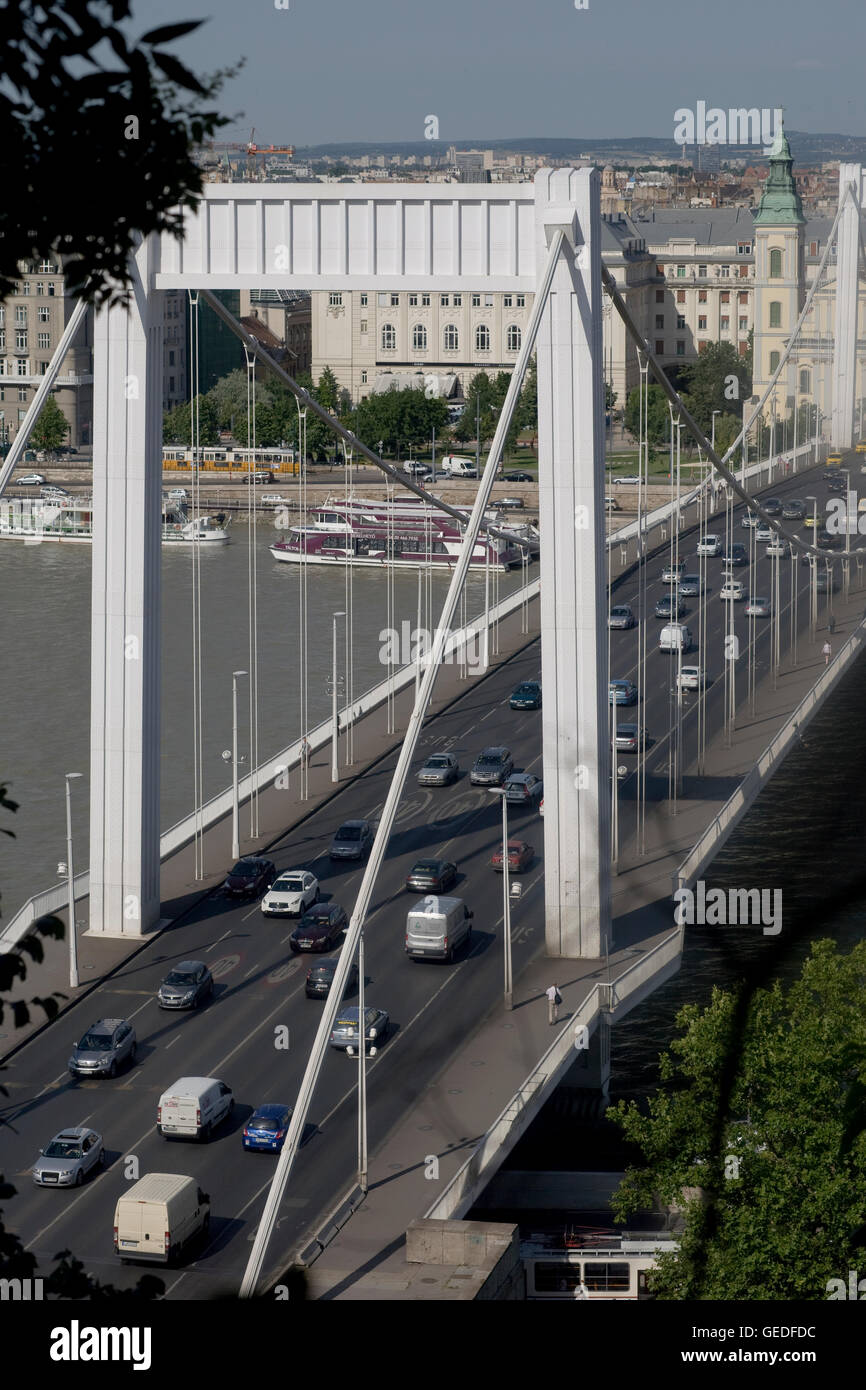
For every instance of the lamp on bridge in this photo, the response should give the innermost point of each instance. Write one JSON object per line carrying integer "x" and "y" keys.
{"x": 70, "y": 878}
{"x": 236, "y": 847}
{"x": 506, "y": 895}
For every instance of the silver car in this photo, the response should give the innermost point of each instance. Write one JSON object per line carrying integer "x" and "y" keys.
{"x": 344, "y": 1034}
{"x": 439, "y": 770}
{"x": 621, "y": 617}
{"x": 758, "y": 607}
{"x": 105, "y": 1046}
{"x": 66, "y": 1161}
{"x": 524, "y": 788}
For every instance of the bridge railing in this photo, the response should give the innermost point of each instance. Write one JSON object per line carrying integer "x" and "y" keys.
{"x": 55, "y": 898}
{"x": 473, "y": 1175}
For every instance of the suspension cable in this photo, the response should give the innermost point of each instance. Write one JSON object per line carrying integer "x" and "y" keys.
{"x": 195, "y": 489}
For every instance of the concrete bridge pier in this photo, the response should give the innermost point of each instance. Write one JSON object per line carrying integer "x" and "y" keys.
{"x": 125, "y": 608}
{"x": 576, "y": 752}
{"x": 583, "y": 1092}
{"x": 847, "y": 301}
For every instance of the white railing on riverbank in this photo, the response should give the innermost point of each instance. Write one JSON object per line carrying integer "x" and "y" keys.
{"x": 473, "y": 1175}
{"x": 220, "y": 806}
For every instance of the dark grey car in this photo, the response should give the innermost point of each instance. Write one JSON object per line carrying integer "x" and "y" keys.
{"x": 186, "y": 986}
{"x": 353, "y": 840}
{"x": 491, "y": 767}
{"x": 103, "y": 1049}
{"x": 439, "y": 770}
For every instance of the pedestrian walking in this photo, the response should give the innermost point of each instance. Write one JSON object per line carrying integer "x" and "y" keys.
{"x": 832, "y": 624}
{"x": 828, "y": 652}
{"x": 554, "y": 999}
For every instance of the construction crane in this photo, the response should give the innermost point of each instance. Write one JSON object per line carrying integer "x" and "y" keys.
{"x": 254, "y": 152}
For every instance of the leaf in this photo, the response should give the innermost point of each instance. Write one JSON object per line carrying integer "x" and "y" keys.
{"x": 167, "y": 32}
{"x": 177, "y": 73}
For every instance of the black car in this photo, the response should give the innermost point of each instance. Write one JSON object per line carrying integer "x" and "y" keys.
{"x": 794, "y": 510}
{"x": 517, "y": 478}
{"x": 736, "y": 555}
{"x": 527, "y": 695}
{"x": 320, "y": 977}
{"x": 186, "y": 986}
{"x": 826, "y": 582}
{"x": 836, "y": 484}
{"x": 824, "y": 541}
{"x": 772, "y": 506}
{"x": 250, "y": 876}
{"x": 431, "y": 876}
{"x": 320, "y": 929}
{"x": 491, "y": 767}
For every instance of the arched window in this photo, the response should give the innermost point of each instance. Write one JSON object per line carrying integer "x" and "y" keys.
{"x": 776, "y": 313}
{"x": 775, "y": 264}
{"x": 389, "y": 337}
{"x": 805, "y": 382}
{"x": 774, "y": 362}
{"x": 513, "y": 338}
{"x": 482, "y": 338}
{"x": 419, "y": 337}
{"x": 452, "y": 338}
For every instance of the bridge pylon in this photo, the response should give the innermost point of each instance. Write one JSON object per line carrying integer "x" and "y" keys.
{"x": 847, "y": 303}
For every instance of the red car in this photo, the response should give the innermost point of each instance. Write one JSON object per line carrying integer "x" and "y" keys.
{"x": 520, "y": 856}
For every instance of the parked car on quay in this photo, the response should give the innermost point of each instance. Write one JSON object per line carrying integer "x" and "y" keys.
{"x": 320, "y": 929}
{"x": 251, "y": 875}
{"x": 185, "y": 986}
{"x": 491, "y": 767}
{"x": 30, "y": 480}
{"x": 67, "y": 1159}
{"x": 103, "y": 1049}
{"x": 353, "y": 840}
{"x": 439, "y": 770}
{"x": 517, "y": 478}
{"x": 291, "y": 894}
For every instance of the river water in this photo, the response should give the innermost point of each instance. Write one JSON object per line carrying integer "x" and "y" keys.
{"x": 45, "y": 730}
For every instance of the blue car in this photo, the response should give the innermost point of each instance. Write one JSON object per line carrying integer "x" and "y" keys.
{"x": 622, "y": 693}
{"x": 267, "y": 1127}
{"x": 526, "y": 696}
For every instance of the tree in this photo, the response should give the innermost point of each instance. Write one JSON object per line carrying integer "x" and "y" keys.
{"x": 658, "y": 415}
{"x": 177, "y": 426}
{"x": 51, "y": 427}
{"x": 716, "y": 381}
{"x": 328, "y": 389}
{"x": 399, "y": 417}
{"x": 68, "y": 1279}
{"x": 59, "y": 101}
{"x": 759, "y": 1133}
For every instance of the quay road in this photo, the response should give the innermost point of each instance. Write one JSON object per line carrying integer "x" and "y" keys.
{"x": 434, "y": 1008}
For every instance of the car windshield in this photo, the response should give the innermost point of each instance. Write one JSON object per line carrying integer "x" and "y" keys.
{"x": 244, "y": 869}
{"x": 620, "y": 612}
{"x": 348, "y": 832}
{"x": 289, "y": 885}
{"x": 63, "y": 1148}
{"x": 311, "y": 921}
{"x": 426, "y": 866}
{"x": 95, "y": 1042}
{"x": 180, "y": 977}
{"x": 437, "y": 761}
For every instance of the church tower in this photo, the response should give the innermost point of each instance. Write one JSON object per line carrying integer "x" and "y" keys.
{"x": 780, "y": 275}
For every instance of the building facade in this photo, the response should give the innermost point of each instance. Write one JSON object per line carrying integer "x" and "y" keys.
{"x": 32, "y": 322}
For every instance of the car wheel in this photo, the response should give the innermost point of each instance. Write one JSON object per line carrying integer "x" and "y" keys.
{"x": 132, "y": 1053}
{"x": 101, "y": 1159}
{"x": 112, "y": 1070}
{"x": 206, "y": 1133}
{"x": 318, "y": 895}
{"x": 79, "y": 1177}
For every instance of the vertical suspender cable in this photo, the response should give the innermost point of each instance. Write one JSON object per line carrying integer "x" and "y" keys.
{"x": 195, "y": 441}
{"x": 252, "y": 590}
{"x": 302, "y": 602}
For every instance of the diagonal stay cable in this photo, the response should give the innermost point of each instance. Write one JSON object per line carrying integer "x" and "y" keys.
{"x": 383, "y": 833}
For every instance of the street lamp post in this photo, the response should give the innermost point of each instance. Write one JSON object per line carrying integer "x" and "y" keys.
{"x": 506, "y": 896}
{"x": 713, "y": 437}
{"x": 236, "y": 848}
{"x": 335, "y": 774}
{"x": 813, "y": 572}
{"x": 70, "y": 879}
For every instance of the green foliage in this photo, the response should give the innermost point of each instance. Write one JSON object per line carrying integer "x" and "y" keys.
{"x": 61, "y": 103}
{"x": 705, "y": 381}
{"x": 759, "y": 1133}
{"x": 51, "y": 427}
{"x": 401, "y": 419}
{"x": 328, "y": 389}
{"x": 658, "y": 414}
{"x": 177, "y": 423}
{"x": 527, "y": 409}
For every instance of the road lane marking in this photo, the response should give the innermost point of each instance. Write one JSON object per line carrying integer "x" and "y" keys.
{"x": 216, "y": 943}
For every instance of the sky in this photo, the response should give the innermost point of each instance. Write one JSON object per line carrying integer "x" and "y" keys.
{"x": 322, "y": 71}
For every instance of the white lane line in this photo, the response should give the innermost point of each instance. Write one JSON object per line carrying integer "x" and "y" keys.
{"x": 173, "y": 1041}
{"x": 217, "y": 942}
{"x": 140, "y": 1007}
{"x": 487, "y": 715}
{"x": 252, "y": 970}
{"x": 51, "y": 1083}
{"x": 466, "y": 731}
{"x": 175, "y": 1284}
{"x": 252, "y": 912}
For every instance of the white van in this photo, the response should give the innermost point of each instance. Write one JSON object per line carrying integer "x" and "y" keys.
{"x": 453, "y": 466}
{"x": 437, "y": 928}
{"x": 159, "y": 1216}
{"x": 193, "y": 1107}
{"x": 675, "y": 637}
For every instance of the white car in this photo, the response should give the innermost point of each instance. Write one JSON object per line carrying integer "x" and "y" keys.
{"x": 291, "y": 894}
{"x": 710, "y": 545}
{"x": 778, "y": 547}
{"x": 273, "y": 499}
{"x": 691, "y": 678}
{"x": 732, "y": 589}
{"x": 36, "y": 480}
{"x": 177, "y": 494}
{"x": 764, "y": 533}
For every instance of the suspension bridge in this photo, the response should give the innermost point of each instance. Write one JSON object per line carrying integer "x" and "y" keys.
{"x": 454, "y": 1082}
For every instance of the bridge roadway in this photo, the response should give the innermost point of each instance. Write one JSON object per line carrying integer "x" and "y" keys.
{"x": 435, "y": 1010}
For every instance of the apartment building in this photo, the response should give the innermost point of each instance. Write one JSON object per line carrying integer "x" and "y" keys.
{"x": 32, "y": 321}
